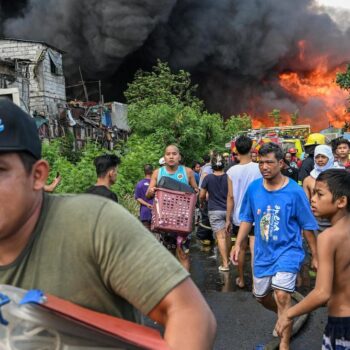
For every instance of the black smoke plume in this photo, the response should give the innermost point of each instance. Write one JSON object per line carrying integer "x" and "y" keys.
{"x": 234, "y": 49}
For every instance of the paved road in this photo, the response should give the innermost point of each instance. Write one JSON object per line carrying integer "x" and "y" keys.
{"x": 242, "y": 322}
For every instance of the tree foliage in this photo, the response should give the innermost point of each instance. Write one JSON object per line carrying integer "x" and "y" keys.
{"x": 161, "y": 86}
{"x": 343, "y": 79}
{"x": 162, "y": 109}
{"x": 294, "y": 117}
{"x": 276, "y": 116}
{"x": 236, "y": 124}
{"x": 76, "y": 176}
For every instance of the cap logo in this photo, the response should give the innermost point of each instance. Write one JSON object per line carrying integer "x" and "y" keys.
{"x": 2, "y": 126}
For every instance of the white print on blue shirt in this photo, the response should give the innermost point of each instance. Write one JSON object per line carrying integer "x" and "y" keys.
{"x": 269, "y": 223}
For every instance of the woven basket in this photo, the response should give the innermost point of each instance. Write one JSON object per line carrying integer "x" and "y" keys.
{"x": 173, "y": 211}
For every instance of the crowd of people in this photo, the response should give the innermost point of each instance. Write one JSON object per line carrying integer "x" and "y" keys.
{"x": 90, "y": 250}
{"x": 273, "y": 202}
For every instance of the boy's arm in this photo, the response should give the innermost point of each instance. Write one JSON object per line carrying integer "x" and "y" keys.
{"x": 152, "y": 184}
{"x": 191, "y": 179}
{"x": 202, "y": 196}
{"x": 229, "y": 204}
{"x": 311, "y": 242}
{"x": 306, "y": 188}
{"x": 143, "y": 202}
{"x": 53, "y": 185}
{"x": 324, "y": 283}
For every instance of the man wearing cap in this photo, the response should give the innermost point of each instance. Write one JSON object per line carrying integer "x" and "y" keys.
{"x": 86, "y": 248}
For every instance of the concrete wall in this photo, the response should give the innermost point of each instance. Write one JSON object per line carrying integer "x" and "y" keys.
{"x": 46, "y": 89}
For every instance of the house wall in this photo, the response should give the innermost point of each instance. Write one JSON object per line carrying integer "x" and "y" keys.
{"x": 46, "y": 89}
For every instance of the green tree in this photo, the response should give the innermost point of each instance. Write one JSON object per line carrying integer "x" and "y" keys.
{"x": 76, "y": 176}
{"x": 159, "y": 125}
{"x": 162, "y": 86}
{"x": 276, "y": 116}
{"x": 294, "y": 117}
{"x": 236, "y": 124}
{"x": 343, "y": 80}
{"x": 162, "y": 109}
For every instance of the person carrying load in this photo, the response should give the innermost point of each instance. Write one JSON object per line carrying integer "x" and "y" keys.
{"x": 172, "y": 169}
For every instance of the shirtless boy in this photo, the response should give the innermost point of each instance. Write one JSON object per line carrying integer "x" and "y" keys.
{"x": 331, "y": 199}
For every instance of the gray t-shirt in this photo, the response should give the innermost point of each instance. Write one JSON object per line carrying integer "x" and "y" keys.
{"x": 241, "y": 175}
{"x": 92, "y": 252}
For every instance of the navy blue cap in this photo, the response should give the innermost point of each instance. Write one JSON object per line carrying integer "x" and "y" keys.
{"x": 18, "y": 131}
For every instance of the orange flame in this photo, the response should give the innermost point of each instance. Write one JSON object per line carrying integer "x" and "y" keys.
{"x": 321, "y": 102}
{"x": 318, "y": 85}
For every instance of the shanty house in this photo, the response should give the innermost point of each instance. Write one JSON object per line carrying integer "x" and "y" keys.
{"x": 31, "y": 74}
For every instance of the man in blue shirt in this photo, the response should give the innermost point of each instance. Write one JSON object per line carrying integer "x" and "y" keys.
{"x": 280, "y": 210}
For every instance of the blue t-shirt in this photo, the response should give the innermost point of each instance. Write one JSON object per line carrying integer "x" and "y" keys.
{"x": 217, "y": 189}
{"x": 180, "y": 174}
{"x": 279, "y": 218}
{"x": 196, "y": 177}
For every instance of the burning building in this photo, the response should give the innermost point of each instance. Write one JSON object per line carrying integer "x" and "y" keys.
{"x": 247, "y": 56}
{"x": 31, "y": 73}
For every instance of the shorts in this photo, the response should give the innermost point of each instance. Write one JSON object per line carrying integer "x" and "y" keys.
{"x": 235, "y": 230}
{"x": 281, "y": 280}
{"x": 336, "y": 335}
{"x": 217, "y": 219}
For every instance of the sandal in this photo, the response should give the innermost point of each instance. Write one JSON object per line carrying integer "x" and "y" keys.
{"x": 224, "y": 269}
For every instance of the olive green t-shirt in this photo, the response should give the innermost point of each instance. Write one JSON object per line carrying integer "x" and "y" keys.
{"x": 92, "y": 252}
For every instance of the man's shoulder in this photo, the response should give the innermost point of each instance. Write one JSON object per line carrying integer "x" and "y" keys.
{"x": 82, "y": 200}
{"x": 142, "y": 182}
{"x": 99, "y": 190}
{"x": 238, "y": 168}
{"x": 188, "y": 170}
{"x": 66, "y": 212}
{"x": 295, "y": 188}
{"x": 206, "y": 169}
{"x": 255, "y": 184}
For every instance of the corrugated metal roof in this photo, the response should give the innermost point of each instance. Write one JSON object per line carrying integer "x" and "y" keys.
{"x": 35, "y": 42}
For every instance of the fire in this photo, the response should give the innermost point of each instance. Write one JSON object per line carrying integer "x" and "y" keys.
{"x": 317, "y": 86}
{"x": 320, "y": 101}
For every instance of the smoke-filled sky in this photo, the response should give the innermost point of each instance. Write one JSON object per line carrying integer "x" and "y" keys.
{"x": 234, "y": 49}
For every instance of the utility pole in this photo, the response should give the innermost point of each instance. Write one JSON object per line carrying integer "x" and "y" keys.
{"x": 99, "y": 91}
{"x": 84, "y": 86}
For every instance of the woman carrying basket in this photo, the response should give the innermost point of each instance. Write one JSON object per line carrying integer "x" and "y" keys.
{"x": 180, "y": 173}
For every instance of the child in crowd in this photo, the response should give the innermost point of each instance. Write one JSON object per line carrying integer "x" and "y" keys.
{"x": 331, "y": 200}
{"x": 342, "y": 151}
